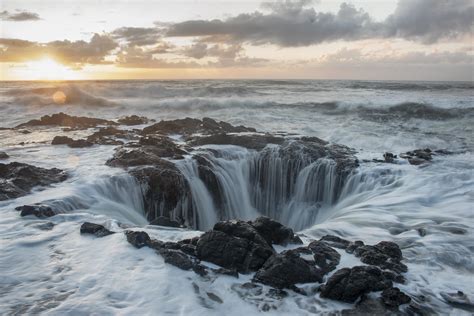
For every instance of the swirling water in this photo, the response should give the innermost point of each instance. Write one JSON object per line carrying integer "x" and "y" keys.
{"x": 427, "y": 210}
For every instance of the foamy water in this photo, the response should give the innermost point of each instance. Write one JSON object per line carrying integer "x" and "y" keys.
{"x": 58, "y": 271}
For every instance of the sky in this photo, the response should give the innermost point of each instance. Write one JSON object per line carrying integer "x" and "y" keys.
{"x": 190, "y": 39}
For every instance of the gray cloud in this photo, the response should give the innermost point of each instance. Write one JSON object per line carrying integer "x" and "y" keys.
{"x": 138, "y": 36}
{"x": 200, "y": 50}
{"x": 72, "y": 53}
{"x": 19, "y": 16}
{"x": 290, "y": 23}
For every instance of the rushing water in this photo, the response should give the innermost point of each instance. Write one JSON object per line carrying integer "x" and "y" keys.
{"x": 427, "y": 210}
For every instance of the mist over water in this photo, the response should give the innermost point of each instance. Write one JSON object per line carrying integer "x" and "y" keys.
{"x": 377, "y": 202}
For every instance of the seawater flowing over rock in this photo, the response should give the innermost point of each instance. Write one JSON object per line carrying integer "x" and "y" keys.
{"x": 234, "y": 173}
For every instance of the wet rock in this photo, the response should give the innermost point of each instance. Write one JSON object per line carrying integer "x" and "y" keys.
{"x": 273, "y": 232}
{"x": 286, "y": 269}
{"x": 458, "y": 299}
{"x": 326, "y": 258}
{"x": 369, "y": 307}
{"x": 348, "y": 284}
{"x": 165, "y": 221}
{"x": 107, "y": 136}
{"x": 354, "y": 245}
{"x": 234, "y": 245}
{"x": 64, "y": 140}
{"x": 18, "y": 179}
{"x": 177, "y": 258}
{"x": 38, "y": 210}
{"x": 133, "y": 120}
{"x": 389, "y": 157}
{"x": 393, "y": 297}
{"x": 257, "y": 141}
{"x": 418, "y": 156}
{"x": 191, "y": 126}
{"x": 95, "y": 229}
{"x": 62, "y": 119}
{"x": 386, "y": 255}
{"x": 3, "y": 155}
{"x": 228, "y": 272}
{"x": 334, "y": 241}
{"x": 138, "y": 239}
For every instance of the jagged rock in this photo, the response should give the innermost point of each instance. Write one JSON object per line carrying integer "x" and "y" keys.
{"x": 18, "y": 179}
{"x": 286, "y": 269}
{"x": 326, "y": 258}
{"x": 3, "y": 155}
{"x": 257, "y": 141}
{"x": 191, "y": 126}
{"x": 335, "y": 241}
{"x": 459, "y": 299}
{"x": 133, "y": 120}
{"x": 393, "y": 297}
{"x": 138, "y": 239}
{"x": 177, "y": 258}
{"x": 105, "y": 136}
{"x": 354, "y": 245}
{"x": 418, "y": 156}
{"x": 369, "y": 307}
{"x": 229, "y": 272}
{"x": 95, "y": 229}
{"x": 386, "y": 255}
{"x": 273, "y": 231}
{"x": 73, "y": 143}
{"x": 348, "y": 284}
{"x": 165, "y": 221}
{"x": 389, "y": 157}
{"x": 62, "y": 119}
{"x": 38, "y": 210}
{"x": 234, "y": 245}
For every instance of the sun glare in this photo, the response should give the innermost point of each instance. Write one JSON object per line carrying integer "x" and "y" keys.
{"x": 49, "y": 69}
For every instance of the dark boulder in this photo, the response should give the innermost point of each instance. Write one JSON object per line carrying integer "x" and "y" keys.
{"x": 386, "y": 255}
{"x": 369, "y": 307}
{"x": 165, "y": 221}
{"x": 38, "y": 210}
{"x": 138, "y": 239}
{"x": 348, "y": 284}
{"x": 234, "y": 245}
{"x": 62, "y": 119}
{"x": 3, "y": 155}
{"x": 354, "y": 245}
{"x": 334, "y": 241}
{"x": 418, "y": 156}
{"x": 256, "y": 141}
{"x": 107, "y": 136}
{"x": 274, "y": 232}
{"x": 393, "y": 297}
{"x": 326, "y": 258}
{"x": 133, "y": 120}
{"x": 95, "y": 229}
{"x": 286, "y": 269}
{"x": 459, "y": 300}
{"x": 389, "y": 157}
{"x": 177, "y": 258}
{"x": 73, "y": 143}
{"x": 18, "y": 179}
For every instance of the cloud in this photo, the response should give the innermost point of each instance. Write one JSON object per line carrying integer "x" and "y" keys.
{"x": 138, "y": 36}
{"x": 72, "y": 53}
{"x": 19, "y": 16}
{"x": 295, "y": 23}
{"x": 200, "y": 50}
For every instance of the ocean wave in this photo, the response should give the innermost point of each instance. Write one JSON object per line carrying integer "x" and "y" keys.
{"x": 410, "y": 86}
{"x": 56, "y": 95}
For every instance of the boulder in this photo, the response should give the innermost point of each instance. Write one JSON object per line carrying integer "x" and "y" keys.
{"x": 138, "y": 239}
{"x": 326, "y": 258}
{"x": 62, "y": 119}
{"x": 177, "y": 258}
{"x": 3, "y": 155}
{"x": 234, "y": 245}
{"x": 334, "y": 241}
{"x": 286, "y": 269}
{"x": 256, "y": 141}
{"x": 18, "y": 179}
{"x": 95, "y": 229}
{"x": 386, "y": 255}
{"x": 348, "y": 284}
{"x": 393, "y": 297}
{"x": 274, "y": 232}
{"x": 459, "y": 299}
{"x": 64, "y": 140}
{"x": 107, "y": 136}
{"x": 38, "y": 210}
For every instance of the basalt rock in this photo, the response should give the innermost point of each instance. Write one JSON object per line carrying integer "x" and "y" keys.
{"x": 348, "y": 284}
{"x": 286, "y": 269}
{"x": 3, "y": 155}
{"x": 18, "y": 179}
{"x": 62, "y": 119}
{"x": 393, "y": 297}
{"x": 386, "y": 255}
{"x": 234, "y": 245}
{"x": 177, "y": 258}
{"x": 38, "y": 210}
{"x": 190, "y": 126}
{"x": 73, "y": 143}
{"x": 326, "y": 258}
{"x": 255, "y": 141}
{"x": 133, "y": 120}
{"x": 138, "y": 239}
{"x": 107, "y": 136}
{"x": 165, "y": 221}
{"x": 334, "y": 241}
{"x": 95, "y": 229}
{"x": 274, "y": 232}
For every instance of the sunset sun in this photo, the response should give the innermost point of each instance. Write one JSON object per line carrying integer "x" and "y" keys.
{"x": 49, "y": 69}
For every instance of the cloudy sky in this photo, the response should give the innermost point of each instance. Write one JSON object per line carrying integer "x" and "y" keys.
{"x": 167, "y": 39}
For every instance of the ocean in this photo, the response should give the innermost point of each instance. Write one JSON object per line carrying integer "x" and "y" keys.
{"x": 427, "y": 210}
